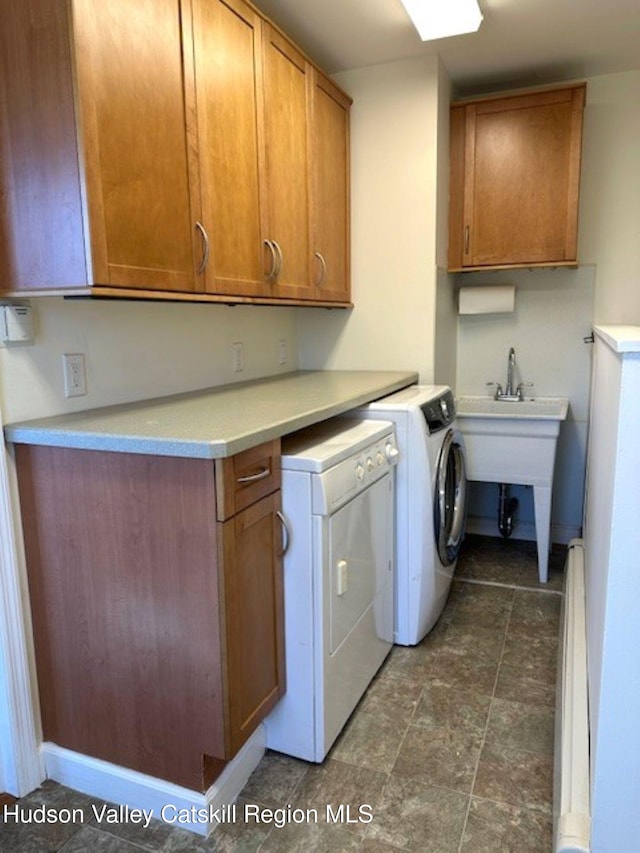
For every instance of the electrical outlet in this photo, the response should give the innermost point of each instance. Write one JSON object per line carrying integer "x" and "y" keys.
{"x": 237, "y": 356}
{"x": 75, "y": 378}
{"x": 282, "y": 352}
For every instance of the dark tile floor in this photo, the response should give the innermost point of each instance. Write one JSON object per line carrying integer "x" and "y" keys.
{"x": 450, "y": 749}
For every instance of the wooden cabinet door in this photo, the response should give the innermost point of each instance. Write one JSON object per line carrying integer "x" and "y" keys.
{"x": 133, "y": 142}
{"x": 252, "y": 592}
{"x": 122, "y": 553}
{"x": 330, "y": 199}
{"x": 41, "y": 212}
{"x": 286, "y": 77}
{"x": 516, "y": 161}
{"x": 227, "y": 56}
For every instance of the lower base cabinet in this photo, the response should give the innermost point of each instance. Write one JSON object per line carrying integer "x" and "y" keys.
{"x": 157, "y": 616}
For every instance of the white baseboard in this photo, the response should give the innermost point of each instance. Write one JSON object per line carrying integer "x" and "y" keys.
{"x": 560, "y": 533}
{"x": 571, "y": 797}
{"x": 177, "y": 806}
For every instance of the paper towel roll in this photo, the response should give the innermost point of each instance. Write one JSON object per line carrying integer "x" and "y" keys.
{"x": 487, "y": 299}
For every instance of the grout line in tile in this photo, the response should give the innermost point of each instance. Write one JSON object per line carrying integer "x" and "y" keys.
{"x": 514, "y": 586}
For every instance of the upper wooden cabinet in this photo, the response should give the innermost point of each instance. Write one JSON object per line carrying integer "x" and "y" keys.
{"x": 161, "y": 148}
{"x": 95, "y": 178}
{"x": 287, "y": 138}
{"x": 330, "y": 173}
{"x": 515, "y": 178}
{"x": 227, "y": 39}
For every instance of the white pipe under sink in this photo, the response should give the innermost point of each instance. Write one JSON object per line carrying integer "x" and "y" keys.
{"x": 571, "y": 806}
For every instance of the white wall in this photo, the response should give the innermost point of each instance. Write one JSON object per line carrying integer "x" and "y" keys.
{"x": 553, "y": 313}
{"x": 609, "y": 228}
{"x": 398, "y": 145}
{"x": 137, "y": 350}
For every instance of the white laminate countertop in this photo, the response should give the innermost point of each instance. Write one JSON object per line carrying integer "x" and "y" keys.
{"x": 215, "y": 422}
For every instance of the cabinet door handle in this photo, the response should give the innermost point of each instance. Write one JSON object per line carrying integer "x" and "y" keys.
{"x": 274, "y": 261}
{"x": 286, "y": 535}
{"x": 323, "y": 269}
{"x": 279, "y": 253}
{"x": 466, "y": 240}
{"x": 205, "y": 247}
{"x": 262, "y": 474}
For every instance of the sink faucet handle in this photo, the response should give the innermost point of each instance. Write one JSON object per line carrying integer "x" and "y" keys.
{"x": 522, "y": 385}
{"x": 498, "y": 387}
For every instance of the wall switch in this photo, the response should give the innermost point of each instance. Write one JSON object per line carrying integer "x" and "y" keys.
{"x": 282, "y": 352}
{"x": 75, "y": 378}
{"x": 237, "y": 356}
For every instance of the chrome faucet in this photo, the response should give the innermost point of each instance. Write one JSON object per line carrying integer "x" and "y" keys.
{"x": 510, "y": 365}
{"x": 509, "y": 395}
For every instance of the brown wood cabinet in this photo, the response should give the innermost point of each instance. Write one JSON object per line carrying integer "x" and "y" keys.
{"x": 227, "y": 42}
{"x": 515, "y": 178}
{"x": 330, "y": 215}
{"x": 157, "y": 603}
{"x": 287, "y": 139}
{"x": 161, "y": 150}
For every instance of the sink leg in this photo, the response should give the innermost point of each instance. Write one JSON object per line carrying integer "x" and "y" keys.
{"x": 542, "y": 509}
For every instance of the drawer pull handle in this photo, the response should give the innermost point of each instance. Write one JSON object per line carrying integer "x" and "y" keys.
{"x": 466, "y": 240}
{"x": 286, "y": 535}
{"x": 262, "y": 474}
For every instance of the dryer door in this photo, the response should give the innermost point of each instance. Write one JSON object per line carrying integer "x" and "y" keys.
{"x": 450, "y": 499}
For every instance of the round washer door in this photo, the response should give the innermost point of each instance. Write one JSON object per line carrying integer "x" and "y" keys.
{"x": 450, "y": 499}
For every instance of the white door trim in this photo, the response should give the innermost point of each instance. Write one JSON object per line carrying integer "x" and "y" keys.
{"x": 21, "y": 766}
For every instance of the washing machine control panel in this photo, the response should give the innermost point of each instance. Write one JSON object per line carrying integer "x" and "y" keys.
{"x": 439, "y": 412}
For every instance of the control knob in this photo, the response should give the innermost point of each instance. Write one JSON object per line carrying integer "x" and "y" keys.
{"x": 391, "y": 452}
{"x": 360, "y": 471}
{"x": 370, "y": 464}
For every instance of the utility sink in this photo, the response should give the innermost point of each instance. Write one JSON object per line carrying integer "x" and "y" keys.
{"x": 544, "y": 408}
{"x": 515, "y": 442}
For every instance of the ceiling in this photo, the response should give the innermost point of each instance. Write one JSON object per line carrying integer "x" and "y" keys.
{"x": 520, "y": 42}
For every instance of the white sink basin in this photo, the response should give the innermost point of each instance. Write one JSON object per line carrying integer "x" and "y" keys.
{"x": 508, "y": 442}
{"x": 511, "y": 442}
{"x": 545, "y": 408}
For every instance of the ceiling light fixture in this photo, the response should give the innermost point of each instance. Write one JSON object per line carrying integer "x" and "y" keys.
{"x": 436, "y": 19}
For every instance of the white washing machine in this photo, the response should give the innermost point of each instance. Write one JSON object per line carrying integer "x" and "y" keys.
{"x": 338, "y": 500}
{"x": 430, "y": 502}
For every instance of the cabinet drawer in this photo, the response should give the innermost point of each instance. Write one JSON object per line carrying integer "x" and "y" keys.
{"x": 246, "y": 477}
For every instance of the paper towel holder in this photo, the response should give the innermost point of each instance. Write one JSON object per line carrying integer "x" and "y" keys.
{"x": 487, "y": 299}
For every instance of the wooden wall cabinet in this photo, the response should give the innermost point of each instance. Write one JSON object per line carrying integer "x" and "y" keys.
{"x": 330, "y": 219}
{"x": 157, "y": 603}
{"x": 515, "y": 179}
{"x": 162, "y": 150}
{"x": 94, "y": 159}
{"x": 227, "y": 44}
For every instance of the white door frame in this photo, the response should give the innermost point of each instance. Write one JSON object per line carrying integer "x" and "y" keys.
{"x": 21, "y": 765}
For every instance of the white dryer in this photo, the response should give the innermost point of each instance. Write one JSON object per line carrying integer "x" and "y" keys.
{"x": 430, "y": 502}
{"x": 338, "y": 498}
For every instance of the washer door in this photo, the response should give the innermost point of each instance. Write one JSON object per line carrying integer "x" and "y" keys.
{"x": 450, "y": 499}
